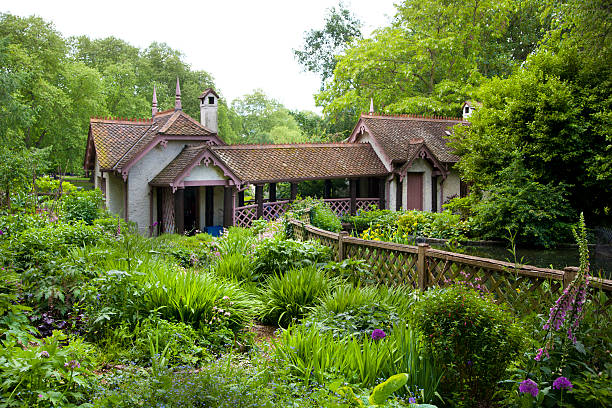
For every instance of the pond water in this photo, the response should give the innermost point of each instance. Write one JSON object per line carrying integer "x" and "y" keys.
{"x": 600, "y": 261}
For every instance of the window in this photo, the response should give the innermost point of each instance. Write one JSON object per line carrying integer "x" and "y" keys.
{"x": 211, "y": 100}
{"x": 467, "y": 109}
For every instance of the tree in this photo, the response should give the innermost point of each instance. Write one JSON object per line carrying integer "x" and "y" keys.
{"x": 432, "y": 58}
{"x": 322, "y": 47}
{"x": 554, "y": 114}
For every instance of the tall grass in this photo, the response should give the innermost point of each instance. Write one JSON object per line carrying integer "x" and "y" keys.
{"x": 288, "y": 296}
{"x": 188, "y": 296}
{"x": 309, "y": 353}
{"x": 236, "y": 240}
{"x": 236, "y": 267}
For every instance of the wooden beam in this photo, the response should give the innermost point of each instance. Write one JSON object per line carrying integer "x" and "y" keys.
{"x": 381, "y": 193}
{"x": 353, "y": 190}
{"x": 259, "y": 200}
{"x": 327, "y": 192}
{"x": 228, "y": 206}
{"x": 272, "y": 196}
{"x": 293, "y": 191}
{"x": 179, "y": 210}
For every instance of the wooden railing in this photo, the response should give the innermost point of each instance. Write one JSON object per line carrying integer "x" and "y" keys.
{"x": 527, "y": 287}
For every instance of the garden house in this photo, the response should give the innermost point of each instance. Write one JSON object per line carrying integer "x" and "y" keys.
{"x": 171, "y": 173}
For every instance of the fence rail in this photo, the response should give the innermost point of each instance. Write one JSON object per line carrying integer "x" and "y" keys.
{"x": 422, "y": 266}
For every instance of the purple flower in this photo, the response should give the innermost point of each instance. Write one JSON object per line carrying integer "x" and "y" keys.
{"x": 541, "y": 351}
{"x": 378, "y": 334}
{"x": 412, "y": 400}
{"x": 469, "y": 362}
{"x": 561, "y": 383}
{"x": 529, "y": 386}
{"x": 44, "y": 354}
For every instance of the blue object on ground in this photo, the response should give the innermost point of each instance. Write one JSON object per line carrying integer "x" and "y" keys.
{"x": 214, "y": 230}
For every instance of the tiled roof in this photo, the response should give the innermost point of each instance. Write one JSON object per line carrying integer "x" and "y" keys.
{"x": 264, "y": 163}
{"x": 258, "y": 163}
{"x": 394, "y": 133}
{"x": 176, "y": 166}
{"x": 117, "y": 141}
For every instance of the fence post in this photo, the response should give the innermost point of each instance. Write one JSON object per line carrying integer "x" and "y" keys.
{"x": 569, "y": 274}
{"x": 341, "y": 236}
{"x": 421, "y": 268}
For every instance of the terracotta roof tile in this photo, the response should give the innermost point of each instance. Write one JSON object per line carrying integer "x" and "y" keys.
{"x": 181, "y": 124}
{"x": 396, "y": 132}
{"x": 262, "y": 163}
{"x": 176, "y": 166}
{"x": 300, "y": 161}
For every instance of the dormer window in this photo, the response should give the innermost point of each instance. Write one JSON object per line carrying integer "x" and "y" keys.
{"x": 211, "y": 100}
{"x": 467, "y": 109}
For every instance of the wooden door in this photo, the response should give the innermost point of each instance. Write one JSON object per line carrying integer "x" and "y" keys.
{"x": 414, "y": 197}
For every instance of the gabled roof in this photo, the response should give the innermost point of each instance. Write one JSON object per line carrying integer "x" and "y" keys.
{"x": 118, "y": 143}
{"x": 394, "y": 134}
{"x": 271, "y": 163}
{"x": 208, "y": 91}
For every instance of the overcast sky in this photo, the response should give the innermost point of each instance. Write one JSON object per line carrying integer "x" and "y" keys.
{"x": 244, "y": 44}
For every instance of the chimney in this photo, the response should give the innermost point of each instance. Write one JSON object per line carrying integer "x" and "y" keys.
{"x": 177, "y": 99}
{"x": 209, "y": 104}
{"x": 371, "y": 105}
{"x": 154, "y": 108}
{"x": 468, "y": 108}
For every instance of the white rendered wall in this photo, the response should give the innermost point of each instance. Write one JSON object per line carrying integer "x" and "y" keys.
{"x": 139, "y": 177}
{"x": 114, "y": 194}
{"x": 420, "y": 166}
{"x": 203, "y": 172}
{"x": 451, "y": 186}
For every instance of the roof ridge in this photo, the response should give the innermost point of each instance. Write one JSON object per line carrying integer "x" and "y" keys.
{"x": 411, "y": 116}
{"x": 288, "y": 145}
{"x": 121, "y": 120}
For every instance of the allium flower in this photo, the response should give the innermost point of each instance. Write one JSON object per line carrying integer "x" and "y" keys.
{"x": 561, "y": 383}
{"x": 378, "y": 334}
{"x": 529, "y": 386}
{"x": 44, "y": 354}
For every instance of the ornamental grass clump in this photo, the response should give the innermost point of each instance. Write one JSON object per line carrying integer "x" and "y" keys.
{"x": 471, "y": 337}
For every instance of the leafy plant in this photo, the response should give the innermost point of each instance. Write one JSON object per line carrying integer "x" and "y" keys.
{"x": 236, "y": 240}
{"x": 82, "y": 206}
{"x": 470, "y": 336}
{"x": 279, "y": 256}
{"x": 237, "y": 267}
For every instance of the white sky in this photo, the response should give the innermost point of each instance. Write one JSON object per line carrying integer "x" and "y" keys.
{"x": 244, "y": 44}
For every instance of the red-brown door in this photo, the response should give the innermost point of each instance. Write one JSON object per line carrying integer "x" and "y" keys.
{"x": 414, "y": 199}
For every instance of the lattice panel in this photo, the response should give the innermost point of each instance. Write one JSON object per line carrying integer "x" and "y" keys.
{"x": 390, "y": 267}
{"x": 364, "y": 204}
{"x": 167, "y": 210}
{"x": 244, "y": 216}
{"x": 272, "y": 211}
{"x": 298, "y": 232}
{"x": 522, "y": 292}
{"x": 340, "y": 206}
{"x": 327, "y": 241}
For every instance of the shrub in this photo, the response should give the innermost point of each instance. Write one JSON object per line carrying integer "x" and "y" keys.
{"x": 365, "y": 219}
{"x": 355, "y": 271}
{"x": 321, "y": 216}
{"x": 46, "y": 184}
{"x": 471, "y": 337}
{"x": 82, "y": 206}
{"x": 14, "y": 224}
{"x": 278, "y": 256}
{"x": 287, "y": 297}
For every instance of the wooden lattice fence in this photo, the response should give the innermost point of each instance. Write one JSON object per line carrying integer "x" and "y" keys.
{"x": 524, "y": 287}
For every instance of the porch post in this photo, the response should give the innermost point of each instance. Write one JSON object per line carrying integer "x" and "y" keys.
{"x": 353, "y": 190}
{"x": 328, "y": 189}
{"x": 293, "y": 191}
{"x": 228, "y": 206}
{"x": 381, "y": 193}
{"x": 241, "y": 198}
{"x": 179, "y": 210}
{"x": 259, "y": 199}
{"x": 272, "y": 198}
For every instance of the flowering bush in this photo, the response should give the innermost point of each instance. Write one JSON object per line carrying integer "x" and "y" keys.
{"x": 473, "y": 338}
